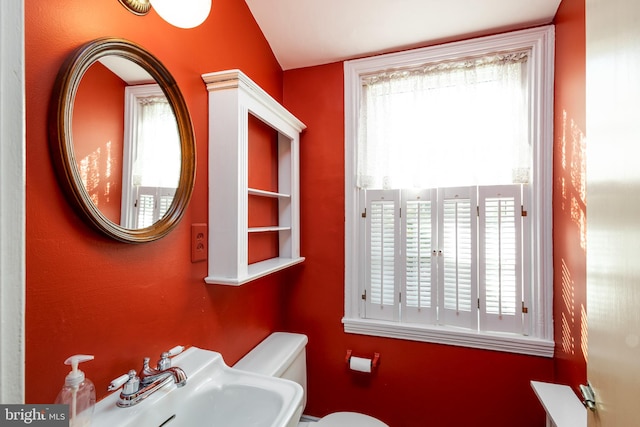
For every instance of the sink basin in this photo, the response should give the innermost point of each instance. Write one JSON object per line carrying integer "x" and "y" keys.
{"x": 238, "y": 405}
{"x": 214, "y": 395}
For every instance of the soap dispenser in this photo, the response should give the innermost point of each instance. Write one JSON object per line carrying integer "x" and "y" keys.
{"x": 78, "y": 392}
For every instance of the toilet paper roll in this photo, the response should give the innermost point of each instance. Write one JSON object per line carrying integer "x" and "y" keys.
{"x": 360, "y": 364}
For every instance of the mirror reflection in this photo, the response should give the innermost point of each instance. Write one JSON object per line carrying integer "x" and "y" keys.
{"x": 126, "y": 142}
{"x": 122, "y": 141}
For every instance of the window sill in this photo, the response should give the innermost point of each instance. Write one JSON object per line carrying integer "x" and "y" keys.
{"x": 451, "y": 336}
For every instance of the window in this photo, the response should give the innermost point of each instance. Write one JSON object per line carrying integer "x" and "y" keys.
{"x": 151, "y": 158}
{"x": 448, "y": 193}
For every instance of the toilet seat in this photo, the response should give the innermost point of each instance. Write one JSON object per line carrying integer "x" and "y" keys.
{"x": 349, "y": 419}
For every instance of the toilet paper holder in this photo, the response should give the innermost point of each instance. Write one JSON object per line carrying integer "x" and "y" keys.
{"x": 374, "y": 361}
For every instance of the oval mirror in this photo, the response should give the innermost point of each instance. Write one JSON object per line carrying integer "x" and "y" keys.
{"x": 122, "y": 140}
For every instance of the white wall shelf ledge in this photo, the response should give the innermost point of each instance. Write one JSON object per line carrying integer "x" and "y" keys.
{"x": 563, "y": 407}
{"x": 233, "y": 97}
{"x": 256, "y": 271}
{"x": 256, "y": 192}
{"x": 267, "y": 229}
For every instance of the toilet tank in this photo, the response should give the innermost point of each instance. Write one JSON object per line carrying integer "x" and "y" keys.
{"x": 282, "y": 355}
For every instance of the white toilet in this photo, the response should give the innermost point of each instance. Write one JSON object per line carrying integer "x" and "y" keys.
{"x": 283, "y": 355}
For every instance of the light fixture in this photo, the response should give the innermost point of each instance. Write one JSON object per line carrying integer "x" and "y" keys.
{"x": 182, "y": 14}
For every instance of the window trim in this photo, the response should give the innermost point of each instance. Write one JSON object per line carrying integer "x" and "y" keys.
{"x": 129, "y": 210}
{"x": 540, "y": 343}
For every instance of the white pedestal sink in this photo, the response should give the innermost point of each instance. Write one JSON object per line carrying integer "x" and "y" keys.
{"x": 214, "y": 395}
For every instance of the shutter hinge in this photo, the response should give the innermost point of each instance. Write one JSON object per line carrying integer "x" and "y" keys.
{"x": 525, "y": 310}
{"x": 400, "y": 212}
{"x": 589, "y": 396}
{"x": 478, "y": 302}
{"x": 522, "y": 211}
{"x": 364, "y": 295}
{"x": 477, "y": 210}
{"x": 399, "y": 296}
{"x": 364, "y": 214}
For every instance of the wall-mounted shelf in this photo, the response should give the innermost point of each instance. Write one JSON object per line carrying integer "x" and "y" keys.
{"x": 254, "y": 192}
{"x": 267, "y": 229}
{"x": 233, "y": 97}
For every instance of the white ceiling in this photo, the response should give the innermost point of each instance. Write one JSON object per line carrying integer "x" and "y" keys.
{"x": 305, "y": 33}
{"x": 128, "y": 71}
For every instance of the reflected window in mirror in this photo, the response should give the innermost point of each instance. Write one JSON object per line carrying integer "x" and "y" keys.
{"x": 151, "y": 156}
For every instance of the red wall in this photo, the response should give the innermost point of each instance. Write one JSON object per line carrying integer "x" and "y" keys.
{"x": 98, "y": 136}
{"x": 262, "y": 174}
{"x": 121, "y": 302}
{"x": 569, "y": 204}
{"x": 442, "y": 385}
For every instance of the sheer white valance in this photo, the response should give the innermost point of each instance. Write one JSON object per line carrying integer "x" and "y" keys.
{"x": 453, "y": 123}
{"x": 157, "y": 152}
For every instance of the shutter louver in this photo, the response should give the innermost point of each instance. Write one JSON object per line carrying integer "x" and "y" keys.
{"x": 419, "y": 302}
{"x": 146, "y": 204}
{"x": 382, "y": 229}
{"x": 164, "y": 203}
{"x": 457, "y": 255}
{"x": 458, "y": 261}
{"x": 418, "y": 254}
{"x": 500, "y": 254}
{"x": 382, "y": 252}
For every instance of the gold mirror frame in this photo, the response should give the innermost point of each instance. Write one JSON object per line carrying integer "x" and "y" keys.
{"x": 61, "y": 137}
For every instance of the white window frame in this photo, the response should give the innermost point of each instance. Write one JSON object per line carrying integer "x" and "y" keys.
{"x": 129, "y": 209}
{"x": 539, "y": 342}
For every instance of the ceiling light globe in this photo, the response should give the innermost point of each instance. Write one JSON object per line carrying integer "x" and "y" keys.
{"x": 183, "y": 13}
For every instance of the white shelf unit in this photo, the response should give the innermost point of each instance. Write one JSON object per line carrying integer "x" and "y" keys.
{"x": 232, "y": 98}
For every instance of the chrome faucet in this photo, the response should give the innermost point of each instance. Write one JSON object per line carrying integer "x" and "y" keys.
{"x": 150, "y": 375}
{"x": 137, "y": 387}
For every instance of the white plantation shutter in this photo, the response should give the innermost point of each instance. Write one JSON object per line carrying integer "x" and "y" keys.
{"x": 382, "y": 254}
{"x": 164, "y": 203}
{"x": 145, "y": 206}
{"x": 457, "y": 257}
{"x": 419, "y": 293}
{"x": 449, "y": 256}
{"x": 500, "y": 245}
{"x": 151, "y": 204}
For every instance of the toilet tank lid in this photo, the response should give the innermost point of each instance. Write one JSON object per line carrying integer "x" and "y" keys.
{"x": 273, "y": 355}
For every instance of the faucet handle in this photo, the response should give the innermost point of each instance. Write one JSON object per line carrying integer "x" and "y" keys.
{"x": 175, "y": 351}
{"x": 118, "y": 382}
{"x": 165, "y": 362}
{"x": 130, "y": 381}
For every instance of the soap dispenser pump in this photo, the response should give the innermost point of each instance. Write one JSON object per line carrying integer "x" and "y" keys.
{"x": 78, "y": 392}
